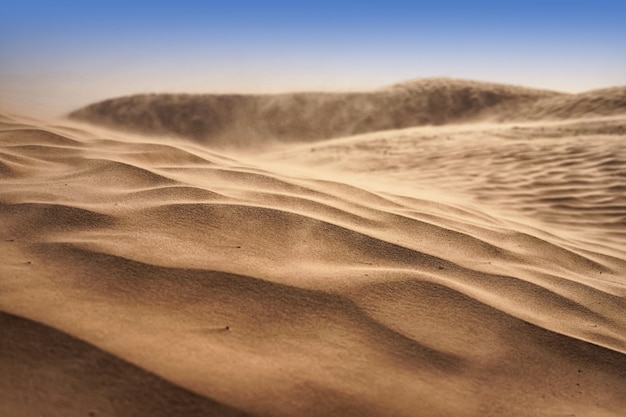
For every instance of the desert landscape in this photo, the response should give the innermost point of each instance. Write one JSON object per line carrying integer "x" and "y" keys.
{"x": 437, "y": 247}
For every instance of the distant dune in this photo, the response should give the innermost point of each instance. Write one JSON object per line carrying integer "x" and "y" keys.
{"x": 257, "y": 119}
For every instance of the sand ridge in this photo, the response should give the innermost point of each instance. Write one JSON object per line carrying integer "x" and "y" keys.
{"x": 232, "y": 286}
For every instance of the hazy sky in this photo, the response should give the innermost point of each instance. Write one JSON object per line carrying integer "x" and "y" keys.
{"x": 56, "y": 55}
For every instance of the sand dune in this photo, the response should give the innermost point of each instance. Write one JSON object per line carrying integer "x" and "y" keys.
{"x": 143, "y": 276}
{"x": 244, "y": 120}
{"x": 251, "y": 120}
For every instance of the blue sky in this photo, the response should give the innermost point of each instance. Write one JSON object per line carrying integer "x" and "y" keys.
{"x": 58, "y": 55}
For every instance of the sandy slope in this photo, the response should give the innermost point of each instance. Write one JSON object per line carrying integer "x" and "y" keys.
{"x": 47, "y": 372}
{"x": 140, "y": 277}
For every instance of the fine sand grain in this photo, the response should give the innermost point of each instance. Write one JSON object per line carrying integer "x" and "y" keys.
{"x": 467, "y": 270}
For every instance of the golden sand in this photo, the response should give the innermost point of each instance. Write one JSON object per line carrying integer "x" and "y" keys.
{"x": 460, "y": 270}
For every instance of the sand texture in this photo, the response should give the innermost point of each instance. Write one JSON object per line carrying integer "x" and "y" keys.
{"x": 454, "y": 270}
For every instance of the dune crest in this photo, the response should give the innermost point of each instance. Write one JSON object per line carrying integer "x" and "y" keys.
{"x": 231, "y": 287}
{"x": 595, "y": 103}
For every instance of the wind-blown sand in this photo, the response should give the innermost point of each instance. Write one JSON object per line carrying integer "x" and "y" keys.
{"x": 467, "y": 270}
{"x": 255, "y": 120}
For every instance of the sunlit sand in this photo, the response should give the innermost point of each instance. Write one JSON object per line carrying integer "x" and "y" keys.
{"x": 435, "y": 248}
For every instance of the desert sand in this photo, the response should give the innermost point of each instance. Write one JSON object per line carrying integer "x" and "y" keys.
{"x": 470, "y": 261}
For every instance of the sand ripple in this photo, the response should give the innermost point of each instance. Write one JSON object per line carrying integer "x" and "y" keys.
{"x": 184, "y": 282}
